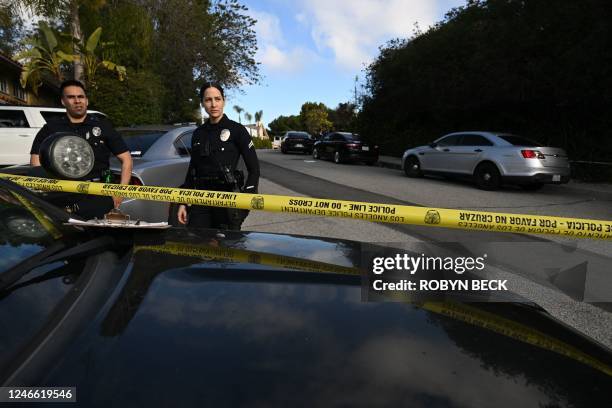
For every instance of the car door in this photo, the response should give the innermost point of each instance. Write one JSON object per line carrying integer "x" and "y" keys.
{"x": 434, "y": 158}
{"x": 16, "y": 137}
{"x": 325, "y": 146}
{"x": 465, "y": 156}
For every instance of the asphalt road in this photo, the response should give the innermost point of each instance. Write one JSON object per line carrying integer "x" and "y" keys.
{"x": 570, "y": 279}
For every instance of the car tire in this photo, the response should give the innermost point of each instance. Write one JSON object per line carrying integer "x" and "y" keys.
{"x": 315, "y": 154}
{"x": 337, "y": 157}
{"x": 412, "y": 167}
{"x": 487, "y": 177}
{"x": 532, "y": 187}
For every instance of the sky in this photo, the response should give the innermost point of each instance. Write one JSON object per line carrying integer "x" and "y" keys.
{"x": 312, "y": 50}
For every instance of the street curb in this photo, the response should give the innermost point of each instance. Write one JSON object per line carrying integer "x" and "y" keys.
{"x": 389, "y": 165}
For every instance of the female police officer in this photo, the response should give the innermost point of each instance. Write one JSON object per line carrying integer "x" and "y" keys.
{"x": 216, "y": 147}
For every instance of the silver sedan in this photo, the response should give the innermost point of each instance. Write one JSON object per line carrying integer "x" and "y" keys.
{"x": 161, "y": 157}
{"x": 490, "y": 159}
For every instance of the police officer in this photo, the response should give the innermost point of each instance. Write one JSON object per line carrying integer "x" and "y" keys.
{"x": 216, "y": 147}
{"x": 103, "y": 139}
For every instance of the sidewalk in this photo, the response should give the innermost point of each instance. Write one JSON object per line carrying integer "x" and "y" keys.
{"x": 396, "y": 163}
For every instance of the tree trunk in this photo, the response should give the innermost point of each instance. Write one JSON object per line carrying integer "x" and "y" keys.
{"x": 75, "y": 27}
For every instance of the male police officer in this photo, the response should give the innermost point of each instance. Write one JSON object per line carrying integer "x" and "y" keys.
{"x": 216, "y": 147}
{"x": 103, "y": 140}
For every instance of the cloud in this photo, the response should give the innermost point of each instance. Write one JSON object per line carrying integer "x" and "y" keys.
{"x": 353, "y": 29}
{"x": 274, "y": 52}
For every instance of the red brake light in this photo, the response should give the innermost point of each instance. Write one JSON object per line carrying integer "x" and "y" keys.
{"x": 135, "y": 181}
{"x": 351, "y": 145}
{"x": 532, "y": 154}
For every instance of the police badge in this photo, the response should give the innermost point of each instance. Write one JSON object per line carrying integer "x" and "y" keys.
{"x": 225, "y": 134}
{"x": 96, "y": 131}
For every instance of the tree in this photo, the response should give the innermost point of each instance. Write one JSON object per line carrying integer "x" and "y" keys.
{"x": 248, "y": 117}
{"x": 238, "y": 110}
{"x": 285, "y": 123}
{"x": 344, "y": 116}
{"x": 43, "y": 56}
{"x": 68, "y": 10}
{"x": 92, "y": 62}
{"x": 11, "y": 30}
{"x": 315, "y": 117}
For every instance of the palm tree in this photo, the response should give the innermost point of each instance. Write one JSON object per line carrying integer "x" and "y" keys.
{"x": 238, "y": 110}
{"x": 51, "y": 9}
{"x": 248, "y": 117}
{"x": 258, "y": 116}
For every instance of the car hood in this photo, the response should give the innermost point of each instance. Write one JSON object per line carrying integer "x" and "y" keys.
{"x": 202, "y": 317}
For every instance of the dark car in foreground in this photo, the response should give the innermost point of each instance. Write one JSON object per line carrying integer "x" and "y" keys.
{"x": 343, "y": 147}
{"x": 216, "y": 318}
{"x": 301, "y": 142}
{"x": 490, "y": 159}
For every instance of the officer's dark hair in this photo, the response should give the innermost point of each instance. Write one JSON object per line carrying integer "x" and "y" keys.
{"x": 71, "y": 82}
{"x": 211, "y": 85}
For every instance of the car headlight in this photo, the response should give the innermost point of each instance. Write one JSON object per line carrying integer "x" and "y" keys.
{"x": 67, "y": 155}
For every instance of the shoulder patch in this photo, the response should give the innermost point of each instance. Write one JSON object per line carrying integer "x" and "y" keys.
{"x": 251, "y": 144}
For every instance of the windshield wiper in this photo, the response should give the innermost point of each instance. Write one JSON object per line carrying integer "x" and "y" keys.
{"x": 51, "y": 255}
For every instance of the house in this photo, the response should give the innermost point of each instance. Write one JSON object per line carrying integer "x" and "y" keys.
{"x": 257, "y": 130}
{"x": 12, "y": 93}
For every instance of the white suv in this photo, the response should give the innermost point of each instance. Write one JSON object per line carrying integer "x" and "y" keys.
{"x": 19, "y": 125}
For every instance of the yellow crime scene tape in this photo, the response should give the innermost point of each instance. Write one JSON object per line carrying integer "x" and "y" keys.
{"x": 457, "y": 311}
{"x": 388, "y": 213}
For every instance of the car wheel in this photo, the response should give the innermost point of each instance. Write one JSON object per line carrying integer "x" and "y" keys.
{"x": 337, "y": 157}
{"x": 532, "y": 187}
{"x": 315, "y": 154}
{"x": 412, "y": 167}
{"x": 487, "y": 176}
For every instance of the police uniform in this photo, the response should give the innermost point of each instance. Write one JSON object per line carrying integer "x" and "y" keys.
{"x": 215, "y": 151}
{"x": 104, "y": 140}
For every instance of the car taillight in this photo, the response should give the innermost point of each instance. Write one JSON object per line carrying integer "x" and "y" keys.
{"x": 135, "y": 181}
{"x": 352, "y": 145}
{"x": 532, "y": 154}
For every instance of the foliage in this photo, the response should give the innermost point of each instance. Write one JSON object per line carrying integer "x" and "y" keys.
{"x": 262, "y": 143}
{"x": 343, "y": 117}
{"x": 285, "y": 123}
{"x": 11, "y": 30}
{"x": 315, "y": 118}
{"x": 43, "y": 56}
{"x": 137, "y": 100}
{"x": 532, "y": 67}
{"x": 92, "y": 62}
{"x": 239, "y": 111}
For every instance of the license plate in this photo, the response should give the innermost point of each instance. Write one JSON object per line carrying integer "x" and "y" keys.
{"x": 299, "y": 145}
{"x": 365, "y": 148}
{"x": 556, "y": 177}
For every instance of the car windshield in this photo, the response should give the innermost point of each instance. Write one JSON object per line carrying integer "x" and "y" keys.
{"x": 519, "y": 141}
{"x": 139, "y": 141}
{"x": 298, "y": 135}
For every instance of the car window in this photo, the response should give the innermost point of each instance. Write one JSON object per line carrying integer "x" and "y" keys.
{"x": 52, "y": 116}
{"x": 13, "y": 118}
{"x": 352, "y": 136}
{"x": 298, "y": 135}
{"x": 337, "y": 138}
{"x": 519, "y": 141}
{"x": 326, "y": 138}
{"x": 452, "y": 140}
{"x": 183, "y": 143}
{"x": 139, "y": 141}
{"x": 475, "y": 140}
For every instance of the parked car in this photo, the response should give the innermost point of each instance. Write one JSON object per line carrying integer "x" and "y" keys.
{"x": 254, "y": 319}
{"x": 344, "y": 147}
{"x": 276, "y": 142}
{"x": 18, "y": 127}
{"x": 161, "y": 155}
{"x": 490, "y": 159}
{"x": 297, "y": 142}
